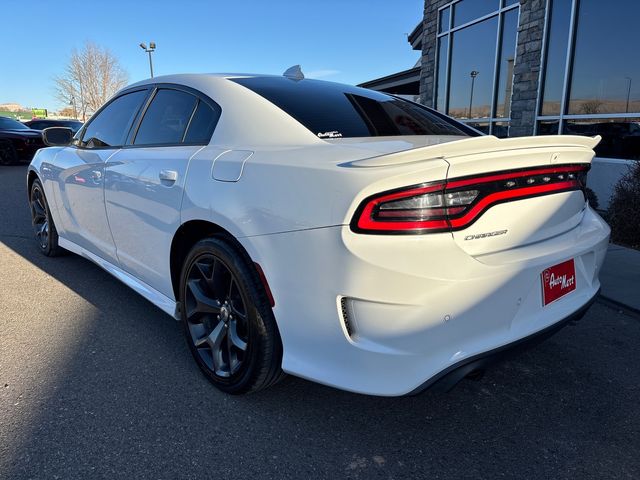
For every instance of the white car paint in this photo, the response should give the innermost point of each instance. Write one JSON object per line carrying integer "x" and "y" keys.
{"x": 417, "y": 304}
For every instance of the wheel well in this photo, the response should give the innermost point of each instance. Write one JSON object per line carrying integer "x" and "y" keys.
{"x": 185, "y": 238}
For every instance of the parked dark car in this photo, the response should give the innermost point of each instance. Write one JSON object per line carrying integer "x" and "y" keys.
{"x": 40, "y": 124}
{"x": 17, "y": 141}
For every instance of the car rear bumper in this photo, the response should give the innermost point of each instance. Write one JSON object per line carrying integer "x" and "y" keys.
{"x": 382, "y": 315}
{"x": 449, "y": 377}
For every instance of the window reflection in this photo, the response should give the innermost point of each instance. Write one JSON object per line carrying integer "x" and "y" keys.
{"x": 442, "y": 73}
{"x": 473, "y": 50}
{"x": 500, "y": 129}
{"x": 560, "y": 19}
{"x": 606, "y": 68}
{"x": 467, "y": 10}
{"x": 444, "y": 20}
{"x": 507, "y": 56}
{"x": 481, "y": 126}
{"x": 548, "y": 127}
{"x": 620, "y": 137}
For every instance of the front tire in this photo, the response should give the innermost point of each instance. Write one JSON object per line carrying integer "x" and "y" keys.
{"x": 44, "y": 229}
{"x": 228, "y": 322}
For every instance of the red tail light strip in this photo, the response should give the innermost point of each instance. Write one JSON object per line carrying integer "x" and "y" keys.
{"x": 500, "y": 197}
{"x": 383, "y": 214}
{"x": 506, "y": 176}
{"x": 366, "y": 218}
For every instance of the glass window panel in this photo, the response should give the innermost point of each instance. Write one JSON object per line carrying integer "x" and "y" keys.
{"x": 444, "y": 20}
{"x": 442, "y": 73}
{"x": 507, "y": 56}
{"x": 548, "y": 127}
{"x": 166, "y": 118}
{"x": 510, "y": 2}
{"x": 482, "y": 126}
{"x": 606, "y": 67}
{"x": 110, "y": 126}
{"x": 620, "y": 136}
{"x": 472, "y": 65}
{"x": 558, "y": 37}
{"x": 501, "y": 129}
{"x": 467, "y": 10}
{"x": 202, "y": 124}
{"x": 332, "y": 110}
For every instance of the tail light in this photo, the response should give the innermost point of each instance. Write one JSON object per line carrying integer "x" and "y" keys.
{"x": 457, "y": 203}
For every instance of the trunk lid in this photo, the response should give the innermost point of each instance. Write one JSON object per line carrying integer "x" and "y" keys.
{"x": 502, "y": 193}
{"x": 515, "y": 222}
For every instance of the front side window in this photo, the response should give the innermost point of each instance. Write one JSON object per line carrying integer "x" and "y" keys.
{"x": 110, "y": 126}
{"x": 166, "y": 119}
{"x": 333, "y": 110}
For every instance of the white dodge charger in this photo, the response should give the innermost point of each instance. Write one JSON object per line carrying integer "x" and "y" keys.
{"x": 339, "y": 234}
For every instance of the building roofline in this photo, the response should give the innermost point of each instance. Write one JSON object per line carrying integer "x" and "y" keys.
{"x": 393, "y": 79}
{"x": 415, "y": 37}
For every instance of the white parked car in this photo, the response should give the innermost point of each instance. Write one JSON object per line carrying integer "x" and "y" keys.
{"x": 335, "y": 233}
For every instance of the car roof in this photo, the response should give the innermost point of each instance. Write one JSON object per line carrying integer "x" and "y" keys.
{"x": 269, "y": 125}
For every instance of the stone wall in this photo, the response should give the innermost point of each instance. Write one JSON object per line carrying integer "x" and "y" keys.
{"x": 527, "y": 67}
{"x": 429, "y": 49}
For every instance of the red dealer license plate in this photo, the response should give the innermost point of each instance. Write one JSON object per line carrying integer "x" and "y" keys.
{"x": 557, "y": 281}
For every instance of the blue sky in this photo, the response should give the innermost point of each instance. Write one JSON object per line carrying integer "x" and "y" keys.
{"x": 343, "y": 41}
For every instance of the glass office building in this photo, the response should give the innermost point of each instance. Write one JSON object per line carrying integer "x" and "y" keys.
{"x": 537, "y": 67}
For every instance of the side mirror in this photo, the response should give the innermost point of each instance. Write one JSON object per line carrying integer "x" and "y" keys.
{"x": 57, "y": 136}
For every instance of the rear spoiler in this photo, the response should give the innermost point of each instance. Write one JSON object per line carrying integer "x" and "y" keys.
{"x": 483, "y": 144}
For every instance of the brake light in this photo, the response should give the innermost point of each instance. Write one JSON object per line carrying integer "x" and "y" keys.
{"x": 457, "y": 203}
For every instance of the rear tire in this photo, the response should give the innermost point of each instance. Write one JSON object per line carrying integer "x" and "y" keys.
{"x": 227, "y": 319}
{"x": 44, "y": 229}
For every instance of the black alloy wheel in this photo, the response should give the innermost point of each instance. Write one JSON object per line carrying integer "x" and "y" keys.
{"x": 228, "y": 322}
{"x": 216, "y": 315}
{"x": 44, "y": 229}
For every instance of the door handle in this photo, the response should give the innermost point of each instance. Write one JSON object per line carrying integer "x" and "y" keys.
{"x": 168, "y": 175}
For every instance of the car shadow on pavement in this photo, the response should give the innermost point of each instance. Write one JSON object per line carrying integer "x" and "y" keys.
{"x": 118, "y": 395}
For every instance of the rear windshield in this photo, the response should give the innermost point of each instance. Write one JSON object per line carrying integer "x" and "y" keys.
{"x": 334, "y": 110}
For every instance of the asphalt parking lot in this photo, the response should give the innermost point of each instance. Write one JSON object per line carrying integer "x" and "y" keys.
{"x": 96, "y": 382}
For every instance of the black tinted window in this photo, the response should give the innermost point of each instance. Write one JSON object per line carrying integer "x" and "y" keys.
{"x": 109, "y": 128}
{"x": 11, "y": 124}
{"x": 202, "y": 124}
{"x": 166, "y": 118}
{"x": 333, "y": 110}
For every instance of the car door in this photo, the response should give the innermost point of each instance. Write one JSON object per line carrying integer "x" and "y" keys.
{"x": 144, "y": 182}
{"x": 80, "y": 174}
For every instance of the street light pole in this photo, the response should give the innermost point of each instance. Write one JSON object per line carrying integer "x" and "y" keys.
{"x": 474, "y": 74}
{"x": 150, "y": 50}
{"x": 628, "y": 93}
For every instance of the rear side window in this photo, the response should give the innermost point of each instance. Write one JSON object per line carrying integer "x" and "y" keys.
{"x": 333, "y": 110}
{"x": 202, "y": 124}
{"x": 166, "y": 119}
{"x": 109, "y": 127}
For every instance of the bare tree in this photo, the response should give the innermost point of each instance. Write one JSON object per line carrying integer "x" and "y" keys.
{"x": 92, "y": 75}
{"x": 591, "y": 106}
